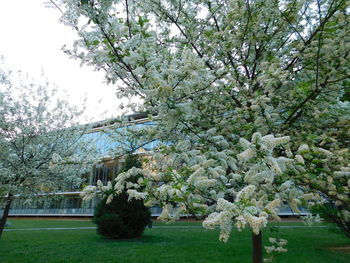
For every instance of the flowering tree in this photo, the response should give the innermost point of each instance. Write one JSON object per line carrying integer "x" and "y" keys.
{"x": 249, "y": 95}
{"x": 41, "y": 149}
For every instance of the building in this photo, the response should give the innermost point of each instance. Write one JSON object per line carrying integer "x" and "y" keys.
{"x": 69, "y": 203}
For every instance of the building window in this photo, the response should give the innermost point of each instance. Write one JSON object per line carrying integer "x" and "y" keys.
{"x": 105, "y": 172}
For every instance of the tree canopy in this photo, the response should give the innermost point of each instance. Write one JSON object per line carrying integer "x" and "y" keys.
{"x": 42, "y": 150}
{"x": 250, "y": 94}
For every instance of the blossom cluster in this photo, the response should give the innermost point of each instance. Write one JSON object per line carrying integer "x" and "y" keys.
{"x": 277, "y": 246}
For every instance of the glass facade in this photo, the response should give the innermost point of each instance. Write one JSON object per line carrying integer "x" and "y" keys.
{"x": 104, "y": 172}
{"x": 62, "y": 204}
{"x": 105, "y": 140}
{"x": 70, "y": 203}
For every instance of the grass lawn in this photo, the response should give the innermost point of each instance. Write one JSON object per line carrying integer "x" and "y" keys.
{"x": 161, "y": 245}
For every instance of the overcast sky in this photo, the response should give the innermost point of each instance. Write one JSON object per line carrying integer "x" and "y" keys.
{"x": 31, "y": 41}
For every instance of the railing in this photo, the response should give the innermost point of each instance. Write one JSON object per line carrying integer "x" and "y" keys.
{"x": 52, "y": 212}
{"x": 155, "y": 211}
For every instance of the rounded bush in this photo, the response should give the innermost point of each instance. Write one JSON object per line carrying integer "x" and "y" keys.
{"x": 121, "y": 219}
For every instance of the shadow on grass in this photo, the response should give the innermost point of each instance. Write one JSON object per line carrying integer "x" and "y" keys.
{"x": 144, "y": 239}
{"x": 341, "y": 249}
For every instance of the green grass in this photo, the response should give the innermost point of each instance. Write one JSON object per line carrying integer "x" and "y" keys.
{"x": 48, "y": 223}
{"x": 160, "y": 245}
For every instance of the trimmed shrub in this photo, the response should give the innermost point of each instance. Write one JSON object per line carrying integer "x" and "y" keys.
{"x": 122, "y": 218}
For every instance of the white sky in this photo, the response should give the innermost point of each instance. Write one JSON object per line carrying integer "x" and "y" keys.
{"x": 31, "y": 39}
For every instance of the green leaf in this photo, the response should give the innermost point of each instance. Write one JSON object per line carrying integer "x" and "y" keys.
{"x": 95, "y": 42}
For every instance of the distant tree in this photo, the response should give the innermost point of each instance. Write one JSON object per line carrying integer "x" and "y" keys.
{"x": 42, "y": 150}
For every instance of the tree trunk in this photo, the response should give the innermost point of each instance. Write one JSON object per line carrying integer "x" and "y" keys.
{"x": 257, "y": 256}
{"x": 6, "y": 213}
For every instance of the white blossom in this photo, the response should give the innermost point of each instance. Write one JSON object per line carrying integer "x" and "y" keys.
{"x": 136, "y": 195}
